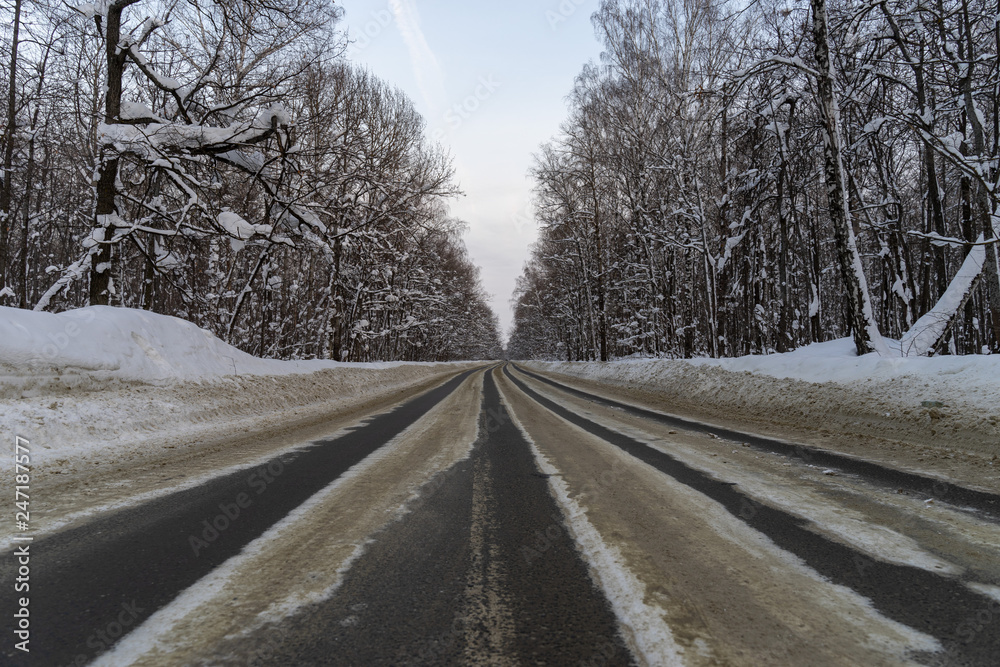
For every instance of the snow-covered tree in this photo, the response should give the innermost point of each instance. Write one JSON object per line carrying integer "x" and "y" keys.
{"x": 224, "y": 163}
{"x": 773, "y": 175}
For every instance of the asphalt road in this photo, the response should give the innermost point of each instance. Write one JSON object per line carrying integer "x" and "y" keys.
{"x": 570, "y": 529}
{"x": 481, "y": 572}
{"x": 122, "y": 568}
{"x": 929, "y": 602}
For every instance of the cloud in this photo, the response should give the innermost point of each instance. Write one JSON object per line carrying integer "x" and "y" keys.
{"x": 430, "y": 77}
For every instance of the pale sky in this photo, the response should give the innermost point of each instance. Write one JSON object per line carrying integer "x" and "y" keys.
{"x": 491, "y": 79}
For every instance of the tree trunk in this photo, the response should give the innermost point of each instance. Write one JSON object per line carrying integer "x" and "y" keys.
{"x": 931, "y": 331}
{"x": 783, "y": 343}
{"x": 336, "y": 304}
{"x": 867, "y": 337}
{"x": 993, "y": 226}
{"x": 149, "y": 276}
{"x": 602, "y": 306}
{"x": 29, "y": 177}
{"x": 985, "y": 209}
{"x": 102, "y": 259}
{"x": 6, "y": 214}
{"x": 992, "y": 275}
{"x": 29, "y": 184}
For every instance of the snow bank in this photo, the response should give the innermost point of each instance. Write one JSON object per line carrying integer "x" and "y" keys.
{"x": 112, "y": 382}
{"x": 973, "y": 380}
{"x": 939, "y": 402}
{"x": 101, "y": 343}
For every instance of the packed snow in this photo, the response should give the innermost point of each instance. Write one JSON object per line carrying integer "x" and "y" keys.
{"x": 650, "y": 635}
{"x": 100, "y": 380}
{"x": 973, "y": 379}
{"x": 102, "y": 343}
{"x": 942, "y": 402}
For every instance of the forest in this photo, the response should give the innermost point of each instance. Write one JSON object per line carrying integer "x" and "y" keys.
{"x": 224, "y": 162}
{"x": 750, "y": 178}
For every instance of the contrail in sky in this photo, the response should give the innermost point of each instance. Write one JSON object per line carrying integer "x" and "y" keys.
{"x": 430, "y": 78}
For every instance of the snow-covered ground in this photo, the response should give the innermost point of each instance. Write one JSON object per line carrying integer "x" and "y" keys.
{"x": 93, "y": 346}
{"x": 973, "y": 380}
{"x": 950, "y": 403}
{"x": 89, "y": 382}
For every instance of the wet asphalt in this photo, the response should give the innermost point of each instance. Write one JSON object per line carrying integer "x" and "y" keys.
{"x": 92, "y": 584}
{"x": 480, "y": 571}
{"x": 966, "y": 623}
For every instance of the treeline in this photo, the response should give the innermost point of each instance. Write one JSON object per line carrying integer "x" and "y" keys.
{"x": 738, "y": 178}
{"x": 224, "y": 163}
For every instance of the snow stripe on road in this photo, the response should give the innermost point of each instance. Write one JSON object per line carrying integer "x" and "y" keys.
{"x": 650, "y": 637}
{"x": 920, "y": 485}
{"x": 919, "y": 599}
{"x": 151, "y": 553}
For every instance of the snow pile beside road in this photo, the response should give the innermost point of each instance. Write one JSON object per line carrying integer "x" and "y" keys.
{"x": 101, "y": 344}
{"x": 108, "y": 383}
{"x": 941, "y": 402}
{"x": 973, "y": 380}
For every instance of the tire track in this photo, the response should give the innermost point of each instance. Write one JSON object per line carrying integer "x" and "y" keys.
{"x": 450, "y": 582}
{"x": 985, "y": 504}
{"x": 936, "y": 605}
{"x": 141, "y": 558}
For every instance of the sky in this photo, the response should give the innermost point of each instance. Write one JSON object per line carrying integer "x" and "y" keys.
{"x": 491, "y": 80}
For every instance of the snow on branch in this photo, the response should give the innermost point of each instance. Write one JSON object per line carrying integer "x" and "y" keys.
{"x": 239, "y": 228}
{"x": 75, "y": 272}
{"x": 134, "y": 113}
{"x": 151, "y": 141}
{"x": 949, "y": 241}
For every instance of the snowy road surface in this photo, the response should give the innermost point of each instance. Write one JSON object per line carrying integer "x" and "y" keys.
{"x": 504, "y": 518}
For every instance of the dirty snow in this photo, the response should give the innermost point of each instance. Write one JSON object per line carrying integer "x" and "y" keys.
{"x": 943, "y": 402}
{"x": 89, "y": 382}
{"x": 647, "y": 632}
